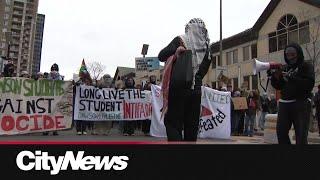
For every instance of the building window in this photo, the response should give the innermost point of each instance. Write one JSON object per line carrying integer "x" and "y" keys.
{"x": 246, "y": 55}
{"x": 232, "y": 57}
{"x": 304, "y": 33}
{"x": 214, "y": 62}
{"x": 282, "y": 41}
{"x": 293, "y": 36}
{"x": 6, "y": 16}
{"x": 255, "y": 82}
{"x": 273, "y": 45}
{"x": 254, "y": 52}
{"x": 219, "y": 61}
{"x": 289, "y": 31}
{"x": 235, "y": 84}
{"x": 7, "y": 9}
{"x": 246, "y": 81}
{"x": 229, "y": 56}
{"x": 235, "y": 56}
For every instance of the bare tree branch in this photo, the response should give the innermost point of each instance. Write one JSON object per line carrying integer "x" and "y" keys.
{"x": 96, "y": 69}
{"x": 311, "y": 48}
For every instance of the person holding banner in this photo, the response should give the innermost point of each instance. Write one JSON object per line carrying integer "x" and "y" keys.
{"x": 24, "y": 74}
{"x": 104, "y": 127}
{"x": 181, "y": 106}
{"x": 129, "y": 126}
{"x": 54, "y": 75}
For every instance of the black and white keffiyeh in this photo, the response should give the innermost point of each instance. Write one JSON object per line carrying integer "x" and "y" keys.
{"x": 196, "y": 39}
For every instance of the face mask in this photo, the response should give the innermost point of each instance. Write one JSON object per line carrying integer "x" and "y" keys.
{"x": 291, "y": 55}
{"x": 292, "y": 62}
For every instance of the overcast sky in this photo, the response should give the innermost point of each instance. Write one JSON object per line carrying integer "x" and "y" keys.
{"x": 113, "y": 32}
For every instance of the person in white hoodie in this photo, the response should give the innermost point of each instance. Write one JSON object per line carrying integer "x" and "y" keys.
{"x": 54, "y": 75}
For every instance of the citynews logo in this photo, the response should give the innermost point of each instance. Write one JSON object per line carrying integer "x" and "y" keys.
{"x": 42, "y": 161}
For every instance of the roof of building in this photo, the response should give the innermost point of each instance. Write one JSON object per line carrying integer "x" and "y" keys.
{"x": 127, "y": 71}
{"x": 235, "y": 40}
{"x": 252, "y": 33}
{"x": 312, "y": 2}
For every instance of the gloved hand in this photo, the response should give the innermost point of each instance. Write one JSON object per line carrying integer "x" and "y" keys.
{"x": 277, "y": 74}
{"x": 180, "y": 50}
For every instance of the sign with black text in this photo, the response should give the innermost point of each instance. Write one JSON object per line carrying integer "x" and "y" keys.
{"x": 28, "y": 106}
{"x": 94, "y": 104}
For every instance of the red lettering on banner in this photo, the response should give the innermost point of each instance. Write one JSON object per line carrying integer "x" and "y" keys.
{"x": 32, "y": 123}
{"x": 142, "y": 110}
{"x": 126, "y": 109}
{"x": 22, "y": 118}
{"x": 48, "y": 122}
{"x": 137, "y": 110}
{"x": 7, "y": 123}
{"x": 58, "y": 122}
{"x": 36, "y": 126}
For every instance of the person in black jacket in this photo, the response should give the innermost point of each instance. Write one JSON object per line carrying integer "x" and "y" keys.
{"x": 183, "y": 110}
{"x": 129, "y": 126}
{"x": 295, "y": 81}
{"x": 8, "y": 70}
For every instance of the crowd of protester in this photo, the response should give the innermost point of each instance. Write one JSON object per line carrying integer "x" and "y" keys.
{"x": 243, "y": 122}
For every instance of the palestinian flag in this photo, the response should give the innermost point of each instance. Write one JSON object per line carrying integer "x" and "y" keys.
{"x": 83, "y": 72}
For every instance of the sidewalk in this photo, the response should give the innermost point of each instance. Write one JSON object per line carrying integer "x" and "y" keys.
{"x": 313, "y": 138}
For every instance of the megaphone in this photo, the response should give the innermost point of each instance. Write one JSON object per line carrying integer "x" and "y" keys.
{"x": 259, "y": 66}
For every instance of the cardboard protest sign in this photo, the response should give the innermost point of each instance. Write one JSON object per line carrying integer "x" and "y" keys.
{"x": 240, "y": 103}
{"x": 28, "y": 106}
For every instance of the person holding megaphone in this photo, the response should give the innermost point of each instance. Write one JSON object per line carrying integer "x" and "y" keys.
{"x": 295, "y": 80}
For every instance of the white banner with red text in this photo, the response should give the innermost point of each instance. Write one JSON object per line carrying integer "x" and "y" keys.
{"x": 95, "y": 104}
{"x": 215, "y": 120}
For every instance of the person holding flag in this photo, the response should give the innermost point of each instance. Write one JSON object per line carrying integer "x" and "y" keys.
{"x": 85, "y": 79}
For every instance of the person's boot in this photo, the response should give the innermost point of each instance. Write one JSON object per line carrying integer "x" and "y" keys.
{"x": 45, "y": 133}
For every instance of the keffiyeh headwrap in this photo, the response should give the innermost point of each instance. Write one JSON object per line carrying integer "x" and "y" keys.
{"x": 195, "y": 39}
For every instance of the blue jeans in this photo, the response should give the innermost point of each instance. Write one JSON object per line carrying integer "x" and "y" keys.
{"x": 262, "y": 119}
{"x": 249, "y": 123}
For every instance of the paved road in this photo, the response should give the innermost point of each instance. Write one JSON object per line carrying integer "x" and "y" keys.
{"x": 115, "y": 136}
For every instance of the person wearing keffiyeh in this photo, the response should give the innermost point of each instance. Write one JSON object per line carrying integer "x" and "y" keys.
{"x": 181, "y": 108}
